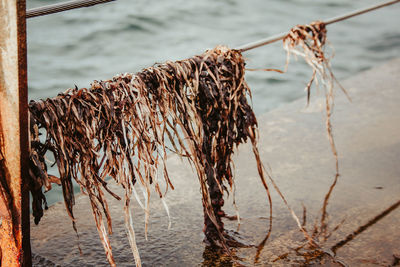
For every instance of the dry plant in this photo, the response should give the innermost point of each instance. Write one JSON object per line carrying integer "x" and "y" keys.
{"x": 305, "y": 255}
{"x": 120, "y": 128}
{"x": 308, "y": 41}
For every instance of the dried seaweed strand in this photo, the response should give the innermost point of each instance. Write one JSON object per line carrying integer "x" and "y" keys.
{"x": 119, "y": 128}
{"x": 308, "y": 41}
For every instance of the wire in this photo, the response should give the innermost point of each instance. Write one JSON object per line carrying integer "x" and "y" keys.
{"x": 359, "y": 12}
{"x": 55, "y": 8}
{"x": 280, "y": 36}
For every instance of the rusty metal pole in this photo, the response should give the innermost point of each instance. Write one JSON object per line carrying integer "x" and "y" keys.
{"x": 14, "y": 143}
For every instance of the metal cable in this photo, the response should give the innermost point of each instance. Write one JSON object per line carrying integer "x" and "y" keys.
{"x": 51, "y": 9}
{"x": 280, "y": 36}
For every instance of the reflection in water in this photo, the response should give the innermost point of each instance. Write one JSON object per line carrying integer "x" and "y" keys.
{"x": 312, "y": 243}
{"x": 317, "y": 251}
{"x": 324, "y": 224}
{"x": 260, "y": 246}
{"x": 217, "y": 256}
{"x": 213, "y": 256}
{"x": 364, "y": 227}
{"x": 312, "y": 248}
{"x": 315, "y": 255}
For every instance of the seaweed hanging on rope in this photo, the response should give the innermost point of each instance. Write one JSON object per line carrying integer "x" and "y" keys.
{"x": 309, "y": 41}
{"x": 120, "y": 128}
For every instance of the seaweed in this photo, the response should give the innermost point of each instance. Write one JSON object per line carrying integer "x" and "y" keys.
{"x": 197, "y": 108}
{"x": 124, "y": 128}
{"x": 309, "y": 42}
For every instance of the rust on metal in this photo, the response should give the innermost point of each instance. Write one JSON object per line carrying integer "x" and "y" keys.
{"x": 14, "y": 197}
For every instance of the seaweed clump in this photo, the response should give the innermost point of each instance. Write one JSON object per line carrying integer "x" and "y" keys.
{"x": 120, "y": 127}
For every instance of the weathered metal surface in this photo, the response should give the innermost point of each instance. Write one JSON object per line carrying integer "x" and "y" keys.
{"x": 14, "y": 197}
{"x": 60, "y": 7}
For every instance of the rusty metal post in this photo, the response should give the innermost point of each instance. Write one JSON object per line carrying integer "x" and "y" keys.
{"x": 14, "y": 148}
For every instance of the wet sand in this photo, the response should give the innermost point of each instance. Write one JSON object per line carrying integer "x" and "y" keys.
{"x": 294, "y": 144}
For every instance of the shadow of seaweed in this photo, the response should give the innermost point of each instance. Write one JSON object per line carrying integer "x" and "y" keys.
{"x": 213, "y": 256}
{"x": 217, "y": 256}
{"x": 365, "y": 226}
{"x": 309, "y": 254}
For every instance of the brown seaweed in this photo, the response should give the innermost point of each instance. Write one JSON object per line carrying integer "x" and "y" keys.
{"x": 120, "y": 128}
{"x": 316, "y": 255}
{"x": 309, "y": 42}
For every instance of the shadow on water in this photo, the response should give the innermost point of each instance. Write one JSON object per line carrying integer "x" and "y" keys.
{"x": 364, "y": 227}
{"x": 312, "y": 250}
{"x": 320, "y": 255}
{"x": 216, "y": 257}
{"x": 318, "y": 252}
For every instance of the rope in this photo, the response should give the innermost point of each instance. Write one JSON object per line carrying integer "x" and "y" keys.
{"x": 280, "y": 36}
{"x": 51, "y": 9}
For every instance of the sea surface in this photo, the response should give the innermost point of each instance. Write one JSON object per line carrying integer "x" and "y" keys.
{"x": 77, "y": 47}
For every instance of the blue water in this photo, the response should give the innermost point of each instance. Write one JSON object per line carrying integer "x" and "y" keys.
{"x": 77, "y": 47}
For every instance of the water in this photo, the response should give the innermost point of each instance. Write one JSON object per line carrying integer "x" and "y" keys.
{"x": 77, "y": 47}
{"x": 293, "y": 142}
